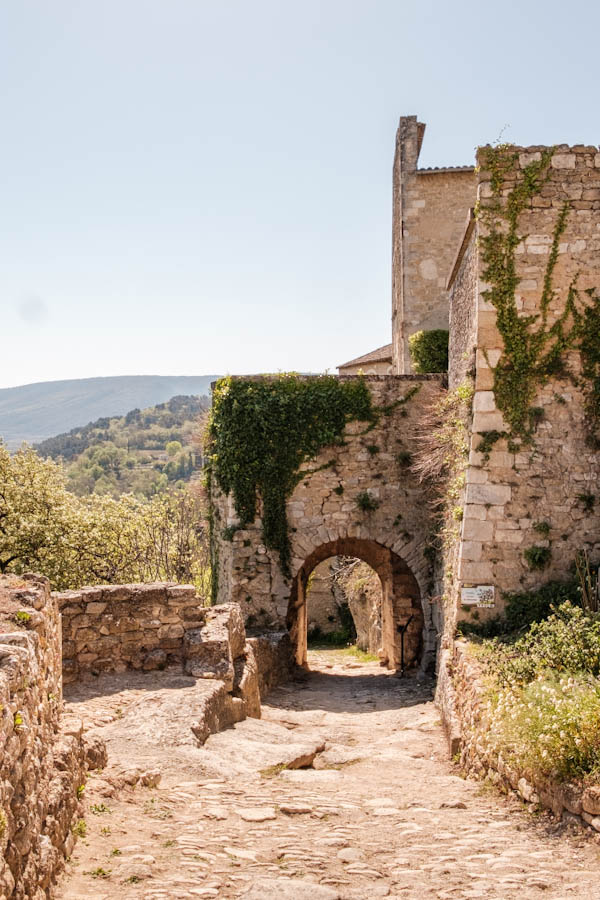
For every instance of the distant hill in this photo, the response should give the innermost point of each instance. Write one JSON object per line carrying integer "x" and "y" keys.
{"x": 145, "y": 452}
{"x": 33, "y": 412}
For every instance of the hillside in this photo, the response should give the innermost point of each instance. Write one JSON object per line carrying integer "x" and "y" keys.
{"x": 144, "y": 452}
{"x": 34, "y": 412}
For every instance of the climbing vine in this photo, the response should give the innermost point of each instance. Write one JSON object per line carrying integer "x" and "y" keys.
{"x": 261, "y": 431}
{"x": 534, "y": 350}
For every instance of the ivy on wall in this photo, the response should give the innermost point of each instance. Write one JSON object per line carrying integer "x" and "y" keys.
{"x": 260, "y": 433}
{"x": 533, "y": 349}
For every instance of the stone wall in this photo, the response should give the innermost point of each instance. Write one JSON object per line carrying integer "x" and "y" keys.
{"x": 323, "y": 599}
{"x": 111, "y": 628}
{"x": 462, "y": 286}
{"x": 325, "y": 520}
{"x": 429, "y": 211}
{"x": 462, "y": 701}
{"x": 511, "y": 494}
{"x": 42, "y": 757}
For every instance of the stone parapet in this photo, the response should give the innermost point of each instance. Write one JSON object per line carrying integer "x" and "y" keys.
{"x": 111, "y": 628}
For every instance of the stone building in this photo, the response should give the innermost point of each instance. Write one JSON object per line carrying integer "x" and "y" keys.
{"x": 524, "y": 504}
{"x": 377, "y": 362}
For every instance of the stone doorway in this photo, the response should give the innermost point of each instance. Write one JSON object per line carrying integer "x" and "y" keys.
{"x": 344, "y": 598}
{"x": 401, "y": 600}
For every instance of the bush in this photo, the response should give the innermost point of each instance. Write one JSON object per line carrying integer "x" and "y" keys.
{"x": 524, "y": 608}
{"x": 429, "y": 351}
{"x": 567, "y": 641}
{"x": 551, "y": 727}
{"x": 545, "y": 697}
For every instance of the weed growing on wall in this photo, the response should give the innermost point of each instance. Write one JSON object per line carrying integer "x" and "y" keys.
{"x": 262, "y": 431}
{"x": 534, "y": 349}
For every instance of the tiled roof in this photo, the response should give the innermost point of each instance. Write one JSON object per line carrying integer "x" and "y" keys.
{"x": 428, "y": 169}
{"x": 382, "y": 354}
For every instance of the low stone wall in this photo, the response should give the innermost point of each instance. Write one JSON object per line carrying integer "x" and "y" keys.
{"x": 111, "y": 628}
{"x": 42, "y": 758}
{"x": 461, "y": 699}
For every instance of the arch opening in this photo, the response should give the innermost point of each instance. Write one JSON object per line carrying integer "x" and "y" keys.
{"x": 401, "y": 612}
{"x": 344, "y": 598}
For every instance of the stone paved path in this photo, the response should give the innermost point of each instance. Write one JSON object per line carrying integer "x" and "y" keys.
{"x": 380, "y": 814}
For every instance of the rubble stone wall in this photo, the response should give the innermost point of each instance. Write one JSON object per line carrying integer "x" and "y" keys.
{"x": 110, "y": 628}
{"x": 429, "y": 211}
{"x": 42, "y": 757}
{"x": 511, "y": 495}
{"x": 461, "y": 698}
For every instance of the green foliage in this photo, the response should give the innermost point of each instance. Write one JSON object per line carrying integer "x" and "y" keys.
{"x": 550, "y": 727}
{"x": 97, "y": 539}
{"x": 429, "y": 351}
{"x": 568, "y": 641}
{"x": 145, "y": 452}
{"x": 79, "y": 828}
{"x": 534, "y": 351}
{"x": 542, "y": 528}
{"x": 261, "y": 431}
{"x": 537, "y": 557}
{"x": 522, "y": 608}
{"x": 339, "y": 490}
{"x": 373, "y": 449}
{"x": 22, "y": 617}
{"x": 366, "y": 503}
{"x": 544, "y": 697}
{"x": 587, "y": 500}
{"x": 488, "y": 439}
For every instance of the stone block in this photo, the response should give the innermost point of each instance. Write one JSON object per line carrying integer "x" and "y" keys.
{"x": 494, "y": 494}
{"x": 488, "y": 421}
{"x": 590, "y": 800}
{"x": 484, "y": 401}
{"x": 472, "y": 572}
{"x": 477, "y": 530}
{"x": 563, "y": 161}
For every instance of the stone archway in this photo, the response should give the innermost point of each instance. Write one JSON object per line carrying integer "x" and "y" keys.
{"x": 401, "y": 599}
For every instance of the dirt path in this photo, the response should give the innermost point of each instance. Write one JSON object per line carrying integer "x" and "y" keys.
{"x": 380, "y": 814}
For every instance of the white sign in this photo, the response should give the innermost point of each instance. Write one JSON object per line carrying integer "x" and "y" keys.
{"x": 481, "y": 596}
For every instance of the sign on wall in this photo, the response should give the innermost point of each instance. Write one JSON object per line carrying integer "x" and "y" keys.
{"x": 482, "y": 596}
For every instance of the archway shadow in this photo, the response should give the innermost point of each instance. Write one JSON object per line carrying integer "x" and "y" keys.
{"x": 358, "y": 694}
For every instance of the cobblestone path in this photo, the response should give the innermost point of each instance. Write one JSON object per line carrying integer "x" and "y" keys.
{"x": 381, "y": 812}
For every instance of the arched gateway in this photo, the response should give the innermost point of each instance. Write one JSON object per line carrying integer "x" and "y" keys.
{"x": 401, "y": 609}
{"x": 355, "y": 498}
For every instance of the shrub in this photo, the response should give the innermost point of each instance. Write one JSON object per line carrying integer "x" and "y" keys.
{"x": 551, "y": 727}
{"x": 429, "y": 351}
{"x": 544, "y": 697}
{"x": 567, "y": 641}
{"x": 537, "y": 557}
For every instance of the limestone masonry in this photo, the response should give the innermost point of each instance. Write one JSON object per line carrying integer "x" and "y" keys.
{"x": 44, "y": 755}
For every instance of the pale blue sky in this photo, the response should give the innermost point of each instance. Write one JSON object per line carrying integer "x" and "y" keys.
{"x": 192, "y": 187}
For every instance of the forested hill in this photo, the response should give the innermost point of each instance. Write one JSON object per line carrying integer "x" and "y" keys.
{"x": 145, "y": 452}
{"x": 33, "y": 412}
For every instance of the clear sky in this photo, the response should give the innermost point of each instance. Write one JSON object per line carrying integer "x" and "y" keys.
{"x": 204, "y": 186}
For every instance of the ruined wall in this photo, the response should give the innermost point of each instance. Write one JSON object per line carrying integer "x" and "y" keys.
{"x": 429, "y": 212}
{"x": 511, "y": 493}
{"x": 323, "y": 510}
{"x": 42, "y": 759}
{"x": 110, "y": 628}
